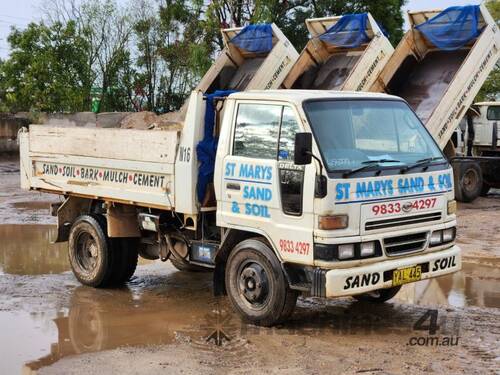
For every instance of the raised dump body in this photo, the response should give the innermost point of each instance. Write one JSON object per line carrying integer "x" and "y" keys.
{"x": 344, "y": 53}
{"x": 440, "y": 65}
{"x": 137, "y": 167}
{"x": 255, "y": 57}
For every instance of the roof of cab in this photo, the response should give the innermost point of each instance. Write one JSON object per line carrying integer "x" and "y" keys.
{"x": 298, "y": 96}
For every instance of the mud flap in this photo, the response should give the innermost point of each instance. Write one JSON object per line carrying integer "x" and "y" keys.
{"x": 219, "y": 279}
{"x": 67, "y": 212}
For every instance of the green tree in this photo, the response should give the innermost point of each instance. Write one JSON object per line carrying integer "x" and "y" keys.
{"x": 45, "y": 69}
{"x": 106, "y": 27}
{"x": 187, "y": 51}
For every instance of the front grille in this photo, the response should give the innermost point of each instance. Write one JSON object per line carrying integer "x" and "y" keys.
{"x": 405, "y": 244}
{"x": 405, "y": 220}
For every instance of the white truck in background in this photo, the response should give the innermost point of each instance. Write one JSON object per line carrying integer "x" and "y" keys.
{"x": 293, "y": 202}
{"x": 478, "y": 137}
{"x": 440, "y": 83}
{"x": 347, "y": 64}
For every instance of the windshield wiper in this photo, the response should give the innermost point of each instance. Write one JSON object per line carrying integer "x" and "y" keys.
{"x": 369, "y": 164}
{"x": 421, "y": 163}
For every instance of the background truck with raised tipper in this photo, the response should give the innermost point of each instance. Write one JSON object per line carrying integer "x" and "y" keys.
{"x": 258, "y": 56}
{"x": 438, "y": 68}
{"x": 344, "y": 53}
{"x": 318, "y": 192}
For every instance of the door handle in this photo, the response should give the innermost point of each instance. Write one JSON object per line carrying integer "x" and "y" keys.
{"x": 233, "y": 186}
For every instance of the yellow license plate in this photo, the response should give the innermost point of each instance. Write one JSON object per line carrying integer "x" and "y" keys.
{"x": 406, "y": 275}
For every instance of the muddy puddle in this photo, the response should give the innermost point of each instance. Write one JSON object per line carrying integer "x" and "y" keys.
{"x": 159, "y": 306}
{"x": 26, "y": 250}
{"x": 59, "y": 318}
{"x": 478, "y": 284}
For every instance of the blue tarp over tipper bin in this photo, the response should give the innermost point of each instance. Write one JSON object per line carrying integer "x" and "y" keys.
{"x": 255, "y": 38}
{"x": 348, "y": 32}
{"x": 207, "y": 148}
{"x": 453, "y": 28}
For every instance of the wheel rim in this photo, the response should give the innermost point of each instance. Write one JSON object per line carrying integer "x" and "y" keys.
{"x": 86, "y": 252}
{"x": 253, "y": 284}
{"x": 470, "y": 180}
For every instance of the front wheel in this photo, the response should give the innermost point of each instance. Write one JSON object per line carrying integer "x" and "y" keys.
{"x": 256, "y": 285}
{"x": 379, "y": 296}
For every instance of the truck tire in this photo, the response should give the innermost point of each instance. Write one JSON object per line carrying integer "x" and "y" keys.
{"x": 127, "y": 253}
{"x": 378, "y": 296}
{"x": 485, "y": 189}
{"x": 91, "y": 254}
{"x": 256, "y": 285}
{"x": 186, "y": 267}
{"x": 469, "y": 182}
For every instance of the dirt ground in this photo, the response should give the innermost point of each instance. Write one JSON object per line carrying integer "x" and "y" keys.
{"x": 167, "y": 322}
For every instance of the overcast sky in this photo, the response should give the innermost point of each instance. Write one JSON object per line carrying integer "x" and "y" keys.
{"x": 20, "y": 12}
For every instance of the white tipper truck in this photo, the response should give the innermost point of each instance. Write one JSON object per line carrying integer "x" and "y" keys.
{"x": 439, "y": 67}
{"x": 299, "y": 191}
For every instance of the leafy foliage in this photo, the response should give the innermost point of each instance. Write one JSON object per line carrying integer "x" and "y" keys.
{"x": 45, "y": 70}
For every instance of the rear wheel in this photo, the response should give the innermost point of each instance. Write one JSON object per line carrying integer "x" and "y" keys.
{"x": 485, "y": 189}
{"x": 256, "y": 285}
{"x": 96, "y": 259}
{"x": 379, "y": 296}
{"x": 90, "y": 252}
{"x": 468, "y": 181}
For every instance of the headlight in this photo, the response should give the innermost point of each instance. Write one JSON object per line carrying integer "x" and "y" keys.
{"x": 448, "y": 235}
{"x": 439, "y": 237}
{"x": 436, "y": 237}
{"x": 367, "y": 249}
{"x": 346, "y": 251}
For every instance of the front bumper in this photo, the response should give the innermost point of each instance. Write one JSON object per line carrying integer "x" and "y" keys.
{"x": 357, "y": 280}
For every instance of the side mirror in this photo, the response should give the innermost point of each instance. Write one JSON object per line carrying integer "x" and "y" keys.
{"x": 303, "y": 149}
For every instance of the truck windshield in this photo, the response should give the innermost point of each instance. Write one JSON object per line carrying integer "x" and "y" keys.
{"x": 355, "y": 133}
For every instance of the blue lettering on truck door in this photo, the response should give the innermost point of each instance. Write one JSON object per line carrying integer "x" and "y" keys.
{"x": 257, "y": 189}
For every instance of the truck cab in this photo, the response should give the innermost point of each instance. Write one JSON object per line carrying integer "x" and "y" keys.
{"x": 349, "y": 191}
{"x": 477, "y": 142}
{"x": 486, "y": 131}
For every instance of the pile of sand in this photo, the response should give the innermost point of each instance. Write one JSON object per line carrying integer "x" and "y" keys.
{"x": 151, "y": 121}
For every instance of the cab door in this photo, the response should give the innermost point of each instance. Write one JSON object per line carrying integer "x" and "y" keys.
{"x": 262, "y": 190}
